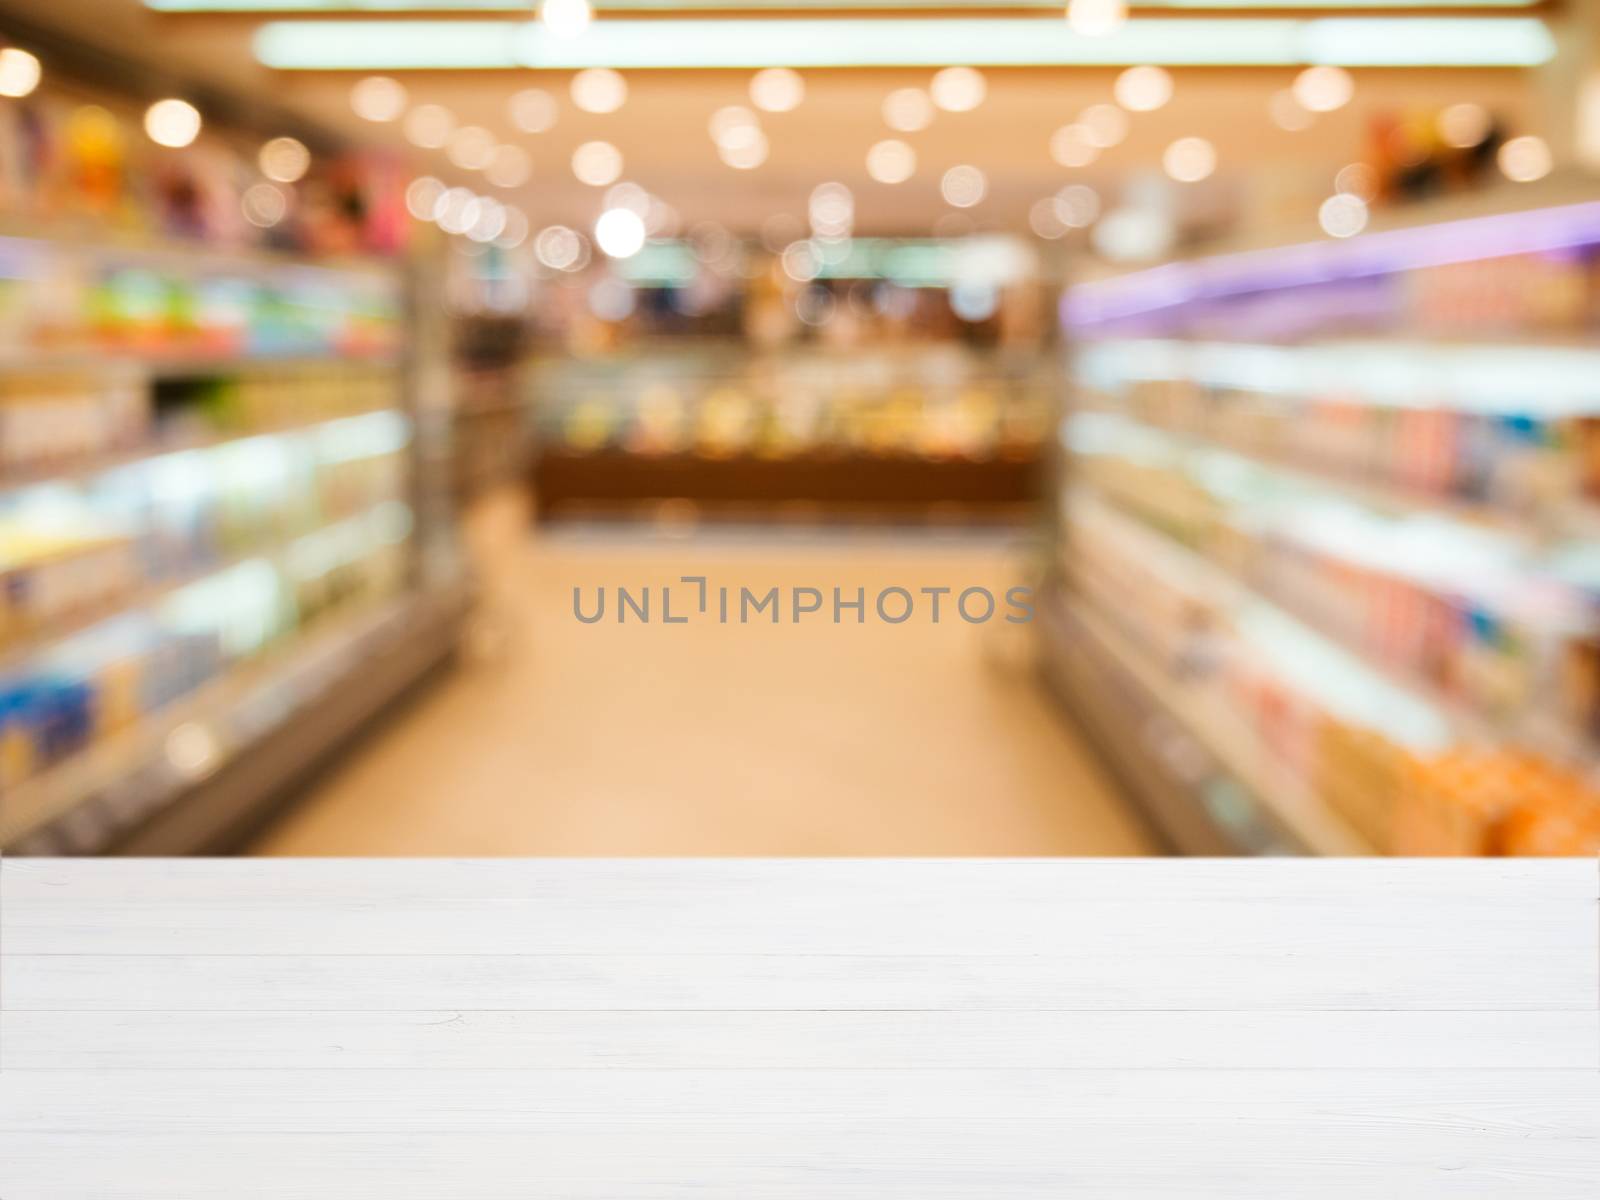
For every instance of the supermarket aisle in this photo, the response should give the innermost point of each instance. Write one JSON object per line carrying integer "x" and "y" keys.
{"x": 813, "y": 739}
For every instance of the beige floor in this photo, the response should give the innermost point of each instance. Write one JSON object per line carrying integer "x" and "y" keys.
{"x": 810, "y": 739}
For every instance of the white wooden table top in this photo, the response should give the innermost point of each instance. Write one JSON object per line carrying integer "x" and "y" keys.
{"x": 803, "y": 1030}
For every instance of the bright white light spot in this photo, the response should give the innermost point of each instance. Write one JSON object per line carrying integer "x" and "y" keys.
{"x": 1070, "y": 146}
{"x": 171, "y": 122}
{"x": 423, "y": 196}
{"x": 457, "y": 210}
{"x": 891, "y": 161}
{"x": 1096, "y": 18}
{"x": 733, "y": 126}
{"x": 20, "y": 72}
{"x": 489, "y": 222}
{"x": 801, "y": 262}
{"x": 533, "y": 110}
{"x": 1133, "y": 235}
{"x": 1189, "y": 159}
{"x": 566, "y": 19}
{"x": 963, "y": 186}
{"x": 1077, "y": 205}
{"x": 599, "y": 90}
{"x": 263, "y": 205}
{"x": 1143, "y": 89}
{"x": 284, "y": 160}
{"x": 597, "y": 163}
{"x": 832, "y": 210}
{"x": 619, "y": 232}
{"x": 509, "y": 166}
{"x": 777, "y": 89}
{"x": 1464, "y": 125}
{"x": 974, "y": 301}
{"x": 429, "y": 126}
{"x": 908, "y": 109}
{"x": 559, "y": 248}
{"x": 1323, "y": 89}
{"x": 751, "y": 154}
{"x": 1524, "y": 159}
{"x": 1342, "y": 216}
{"x": 378, "y": 98}
{"x": 958, "y": 89}
{"x": 471, "y": 148}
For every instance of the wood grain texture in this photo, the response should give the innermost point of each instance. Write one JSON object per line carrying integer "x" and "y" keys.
{"x": 777, "y": 1030}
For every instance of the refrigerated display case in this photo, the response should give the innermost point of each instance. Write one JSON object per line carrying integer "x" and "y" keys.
{"x": 222, "y": 544}
{"x": 1330, "y": 525}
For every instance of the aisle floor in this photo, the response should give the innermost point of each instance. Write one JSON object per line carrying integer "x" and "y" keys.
{"x": 560, "y": 738}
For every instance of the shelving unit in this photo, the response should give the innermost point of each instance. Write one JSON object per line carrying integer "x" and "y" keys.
{"x": 1330, "y": 511}
{"x": 223, "y": 546}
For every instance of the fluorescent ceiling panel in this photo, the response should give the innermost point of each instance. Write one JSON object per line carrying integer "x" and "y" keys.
{"x": 380, "y": 6}
{"x": 914, "y": 42}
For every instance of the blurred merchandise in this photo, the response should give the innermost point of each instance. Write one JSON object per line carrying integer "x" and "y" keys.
{"x": 206, "y": 470}
{"x": 1380, "y": 556}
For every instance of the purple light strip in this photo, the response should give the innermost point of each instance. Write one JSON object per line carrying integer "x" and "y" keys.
{"x": 1530, "y": 232}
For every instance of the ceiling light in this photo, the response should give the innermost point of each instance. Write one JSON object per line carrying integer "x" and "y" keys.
{"x": 559, "y": 248}
{"x": 263, "y": 205}
{"x": 565, "y": 19}
{"x": 801, "y": 262}
{"x": 533, "y": 110}
{"x": 1096, "y": 18}
{"x": 173, "y": 123}
{"x": 958, "y": 89}
{"x": 509, "y": 166}
{"x": 1077, "y": 205}
{"x": 908, "y": 109}
{"x": 1342, "y": 216}
{"x": 1358, "y": 180}
{"x": 471, "y": 148}
{"x": 284, "y": 160}
{"x": 1044, "y": 222}
{"x": 1323, "y": 89}
{"x": 19, "y": 72}
{"x": 599, "y": 90}
{"x": 963, "y": 186}
{"x": 1133, "y": 235}
{"x": 1287, "y": 112}
{"x": 378, "y": 98}
{"x": 516, "y": 230}
{"x": 832, "y": 210}
{"x": 489, "y": 221}
{"x": 422, "y": 197}
{"x": 777, "y": 89}
{"x": 733, "y": 126}
{"x": 1104, "y": 124}
{"x": 429, "y": 126}
{"x": 457, "y": 210}
{"x": 891, "y": 161}
{"x": 1525, "y": 159}
{"x": 1142, "y": 89}
{"x": 597, "y": 163}
{"x": 1189, "y": 159}
{"x": 802, "y": 42}
{"x": 1071, "y": 146}
{"x": 1465, "y": 125}
{"x": 619, "y": 232}
{"x": 748, "y": 153}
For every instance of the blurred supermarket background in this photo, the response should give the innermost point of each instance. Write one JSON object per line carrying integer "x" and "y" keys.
{"x": 342, "y": 340}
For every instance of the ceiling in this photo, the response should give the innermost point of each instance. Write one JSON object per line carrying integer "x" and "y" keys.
{"x": 662, "y": 129}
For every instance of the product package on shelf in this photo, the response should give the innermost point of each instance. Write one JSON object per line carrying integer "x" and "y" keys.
{"x": 1393, "y": 540}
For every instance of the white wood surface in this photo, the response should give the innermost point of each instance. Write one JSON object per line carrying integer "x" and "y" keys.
{"x": 806, "y": 1030}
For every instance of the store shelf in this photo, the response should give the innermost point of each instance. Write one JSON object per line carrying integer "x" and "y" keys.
{"x": 1575, "y": 522}
{"x": 1201, "y": 782}
{"x": 198, "y": 774}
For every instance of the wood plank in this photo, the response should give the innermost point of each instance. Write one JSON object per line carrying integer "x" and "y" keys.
{"x": 1320, "y": 973}
{"x": 792, "y": 1040}
{"x": 1532, "y": 1104}
{"x": 801, "y": 1159}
